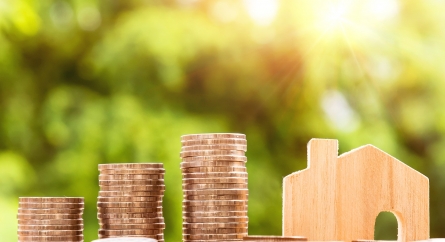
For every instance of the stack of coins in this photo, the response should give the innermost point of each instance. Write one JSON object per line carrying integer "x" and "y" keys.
{"x": 130, "y": 200}
{"x": 270, "y": 238}
{"x": 214, "y": 187}
{"x": 50, "y": 219}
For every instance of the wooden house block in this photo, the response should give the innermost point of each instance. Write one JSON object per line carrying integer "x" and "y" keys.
{"x": 340, "y": 197}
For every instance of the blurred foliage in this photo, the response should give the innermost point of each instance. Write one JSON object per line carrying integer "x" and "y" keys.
{"x": 84, "y": 82}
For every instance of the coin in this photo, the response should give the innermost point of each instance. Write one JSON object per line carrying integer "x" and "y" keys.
{"x": 158, "y": 237}
{"x": 214, "y": 186}
{"x": 129, "y": 215}
{"x": 214, "y": 147}
{"x": 130, "y": 182}
{"x": 192, "y": 153}
{"x": 212, "y": 136}
{"x": 216, "y": 192}
{"x": 130, "y": 193}
{"x": 215, "y": 219}
{"x": 270, "y": 238}
{"x": 129, "y": 204}
{"x": 130, "y": 177}
{"x": 129, "y": 199}
{"x": 214, "y": 142}
{"x": 214, "y": 203}
{"x": 133, "y": 188}
{"x": 213, "y": 236}
{"x": 51, "y": 199}
{"x": 215, "y": 231}
{"x": 132, "y": 221}
{"x": 214, "y": 169}
{"x": 213, "y": 208}
{"x": 49, "y": 232}
{"x": 132, "y": 226}
{"x": 126, "y": 239}
{"x": 49, "y": 211}
{"x": 129, "y": 232}
{"x": 50, "y": 238}
{"x": 216, "y": 197}
{"x": 214, "y": 180}
{"x": 215, "y": 158}
{"x": 214, "y": 175}
{"x": 215, "y": 214}
{"x": 50, "y": 222}
{"x": 50, "y": 227}
{"x": 212, "y": 163}
{"x": 132, "y": 171}
{"x": 51, "y": 205}
{"x": 129, "y": 210}
{"x": 215, "y": 225}
{"x": 130, "y": 166}
{"x": 49, "y": 216}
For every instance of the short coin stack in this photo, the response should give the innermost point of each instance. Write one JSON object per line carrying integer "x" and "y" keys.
{"x": 130, "y": 200}
{"x": 214, "y": 187}
{"x": 50, "y": 219}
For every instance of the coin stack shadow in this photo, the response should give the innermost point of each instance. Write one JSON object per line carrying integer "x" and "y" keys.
{"x": 130, "y": 200}
{"x": 214, "y": 184}
{"x": 50, "y": 219}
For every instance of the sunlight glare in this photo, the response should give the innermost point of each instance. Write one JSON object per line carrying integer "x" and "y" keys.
{"x": 333, "y": 16}
{"x": 262, "y": 11}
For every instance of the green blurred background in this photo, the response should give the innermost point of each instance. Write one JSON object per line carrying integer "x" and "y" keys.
{"x": 84, "y": 82}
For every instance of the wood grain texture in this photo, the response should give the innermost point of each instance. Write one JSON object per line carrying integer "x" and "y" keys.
{"x": 340, "y": 197}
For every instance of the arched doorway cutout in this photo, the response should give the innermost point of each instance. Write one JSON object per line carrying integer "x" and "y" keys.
{"x": 386, "y": 226}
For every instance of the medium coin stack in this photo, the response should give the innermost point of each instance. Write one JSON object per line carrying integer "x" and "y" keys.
{"x": 214, "y": 187}
{"x": 50, "y": 219}
{"x": 130, "y": 200}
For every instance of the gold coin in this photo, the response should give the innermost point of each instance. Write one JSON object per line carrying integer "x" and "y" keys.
{"x": 50, "y": 211}
{"x": 129, "y": 204}
{"x": 49, "y": 216}
{"x": 51, "y": 205}
{"x": 215, "y": 219}
{"x": 126, "y": 239}
{"x": 129, "y": 199}
{"x": 215, "y": 158}
{"x": 214, "y": 203}
{"x": 132, "y": 226}
{"x": 133, "y": 188}
{"x": 215, "y": 231}
{"x": 51, "y": 200}
{"x": 214, "y": 186}
{"x": 213, "y": 236}
{"x": 131, "y": 193}
{"x": 216, "y": 192}
{"x": 193, "y": 153}
{"x": 23, "y": 238}
{"x": 129, "y": 210}
{"x": 214, "y": 147}
{"x": 130, "y": 182}
{"x": 214, "y": 180}
{"x": 215, "y": 214}
{"x": 214, "y": 142}
{"x": 50, "y": 227}
{"x": 216, "y": 197}
{"x": 132, "y": 171}
{"x": 214, "y": 225}
{"x": 217, "y": 169}
{"x": 213, "y": 208}
{"x": 50, "y": 222}
{"x": 131, "y": 166}
{"x": 130, "y": 177}
{"x": 127, "y": 232}
{"x": 214, "y": 175}
{"x": 49, "y": 232}
{"x": 132, "y": 221}
{"x": 212, "y": 164}
{"x": 213, "y": 136}
{"x": 158, "y": 237}
{"x": 129, "y": 215}
{"x": 270, "y": 238}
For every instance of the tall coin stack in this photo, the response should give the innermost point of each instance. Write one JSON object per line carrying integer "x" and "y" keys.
{"x": 214, "y": 187}
{"x": 130, "y": 200}
{"x": 50, "y": 219}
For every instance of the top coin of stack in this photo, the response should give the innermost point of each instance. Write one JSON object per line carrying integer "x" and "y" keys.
{"x": 125, "y": 239}
{"x": 214, "y": 186}
{"x": 50, "y": 219}
{"x": 130, "y": 200}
